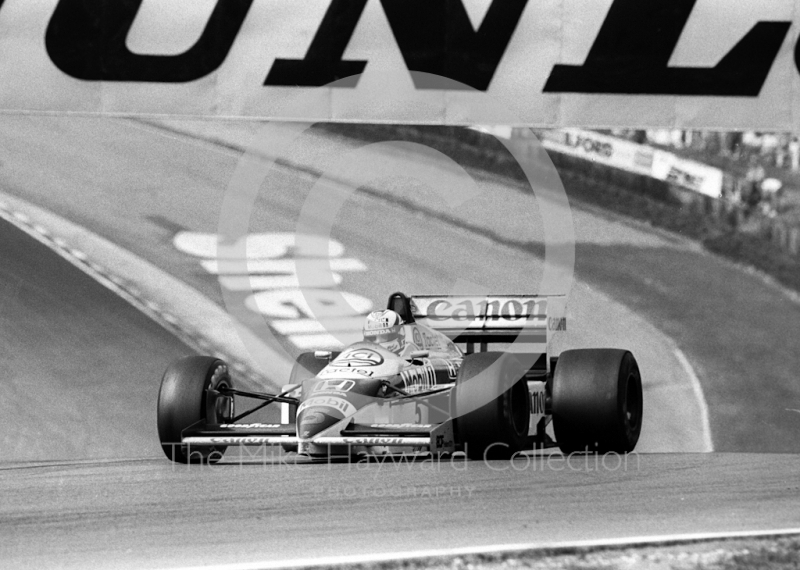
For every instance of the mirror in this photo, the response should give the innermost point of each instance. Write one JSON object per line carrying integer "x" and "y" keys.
{"x": 419, "y": 354}
{"x": 322, "y": 354}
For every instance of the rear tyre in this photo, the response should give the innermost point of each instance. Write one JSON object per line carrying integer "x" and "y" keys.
{"x": 492, "y": 405}
{"x": 597, "y": 401}
{"x": 190, "y": 395}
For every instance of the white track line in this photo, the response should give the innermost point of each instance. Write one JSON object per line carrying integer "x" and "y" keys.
{"x": 697, "y": 388}
{"x": 636, "y": 541}
{"x": 182, "y": 310}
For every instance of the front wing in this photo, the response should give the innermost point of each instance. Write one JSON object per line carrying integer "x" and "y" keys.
{"x": 436, "y": 438}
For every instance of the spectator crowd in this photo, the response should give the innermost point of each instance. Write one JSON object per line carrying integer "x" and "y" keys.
{"x": 742, "y": 155}
{"x": 781, "y": 150}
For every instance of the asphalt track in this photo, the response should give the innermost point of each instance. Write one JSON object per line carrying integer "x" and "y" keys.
{"x": 138, "y": 187}
{"x": 149, "y": 514}
{"x": 80, "y": 365}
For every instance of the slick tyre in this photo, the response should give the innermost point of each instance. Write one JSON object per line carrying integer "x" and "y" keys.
{"x": 189, "y": 395}
{"x": 492, "y": 405}
{"x": 597, "y": 401}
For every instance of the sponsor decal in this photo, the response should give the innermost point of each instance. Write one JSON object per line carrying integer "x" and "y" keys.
{"x": 250, "y": 426}
{"x": 339, "y": 404}
{"x": 499, "y": 309}
{"x": 619, "y": 153}
{"x": 683, "y": 178}
{"x": 452, "y": 368}
{"x": 686, "y": 173}
{"x": 589, "y": 144}
{"x": 377, "y": 332}
{"x": 419, "y": 379}
{"x": 375, "y": 323}
{"x": 312, "y": 418}
{"x": 240, "y": 440}
{"x": 375, "y": 441}
{"x": 557, "y": 323}
{"x": 381, "y": 323}
{"x": 417, "y": 337}
{"x": 331, "y": 371}
{"x": 334, "y": 386}
{"x": 400, "y": 426}
{"x": 359, "y": 357}
{"x": 537, "y": 403}
{"x": 440, "y": 310}
{"x": 430, "y": 340}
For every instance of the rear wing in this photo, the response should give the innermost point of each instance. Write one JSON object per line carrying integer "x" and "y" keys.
{"x": 494, "y": 318}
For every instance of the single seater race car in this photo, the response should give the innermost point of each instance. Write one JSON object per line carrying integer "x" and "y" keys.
{"x": 410, "y": 388}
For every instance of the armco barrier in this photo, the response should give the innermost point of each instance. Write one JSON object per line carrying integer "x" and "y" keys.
{"x": 609, "y": 176}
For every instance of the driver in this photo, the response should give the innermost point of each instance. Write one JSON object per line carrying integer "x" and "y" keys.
{"x": 386, "y": 329}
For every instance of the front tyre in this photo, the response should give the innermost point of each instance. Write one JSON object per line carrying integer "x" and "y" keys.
{"x": 190, "y": 395}
{"x": 597, "y": 401}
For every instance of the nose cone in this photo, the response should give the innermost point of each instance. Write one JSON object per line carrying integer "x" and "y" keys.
{"x": 328, "y": 402}
{"x": 315, "y": 419}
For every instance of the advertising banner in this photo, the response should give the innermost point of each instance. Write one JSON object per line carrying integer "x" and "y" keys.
{"x": 641, "y": 159}
{"x": 687, "y": 173}
{"x": 600, "y": 148}
{"x": 550, "y": 63}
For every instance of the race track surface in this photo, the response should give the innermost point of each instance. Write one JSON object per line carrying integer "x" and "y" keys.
{"x": 149, "y": 514}
{"x": 83, "y": 366}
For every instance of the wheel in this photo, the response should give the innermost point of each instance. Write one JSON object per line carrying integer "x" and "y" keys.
{"x": 492, "y": 405}
{"x": 597, "y": 401}
{"x": 189, "y": 395}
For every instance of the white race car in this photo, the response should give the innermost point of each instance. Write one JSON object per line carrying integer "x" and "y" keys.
{"x": 410, "y": 388}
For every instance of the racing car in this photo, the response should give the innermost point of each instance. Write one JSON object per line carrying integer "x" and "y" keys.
{"x": 423, "y": 380}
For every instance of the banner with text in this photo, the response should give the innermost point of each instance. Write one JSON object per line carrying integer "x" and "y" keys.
{"x": 592, "y": 63}
{"x": 638, "y": 158}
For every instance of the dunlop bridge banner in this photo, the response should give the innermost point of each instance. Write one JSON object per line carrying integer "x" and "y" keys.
{"x": 545, "y": 63}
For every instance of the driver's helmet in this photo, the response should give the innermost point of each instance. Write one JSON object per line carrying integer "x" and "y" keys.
{"x": 386, "y": 329}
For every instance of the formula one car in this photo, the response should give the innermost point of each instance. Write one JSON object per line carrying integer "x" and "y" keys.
{"x": 410, "y": 388}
